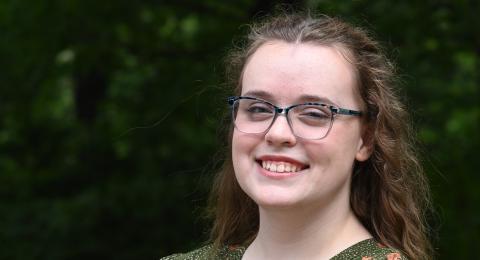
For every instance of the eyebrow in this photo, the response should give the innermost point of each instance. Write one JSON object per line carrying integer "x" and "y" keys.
{"x": 303, "y": 98}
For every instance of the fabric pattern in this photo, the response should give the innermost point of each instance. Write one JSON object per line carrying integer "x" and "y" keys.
{"x": 367, "y": 249}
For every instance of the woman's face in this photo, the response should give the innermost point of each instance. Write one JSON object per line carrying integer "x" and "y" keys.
{"x": 285, "y": 74}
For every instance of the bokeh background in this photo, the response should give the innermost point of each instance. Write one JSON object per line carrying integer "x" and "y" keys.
{"x": 110, "y": 109}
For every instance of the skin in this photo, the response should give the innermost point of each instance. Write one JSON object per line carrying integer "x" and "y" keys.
{"x": 305, "y": 215}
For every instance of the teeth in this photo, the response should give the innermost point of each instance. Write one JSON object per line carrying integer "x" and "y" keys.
{"x": 273, "y": 167}
{"x": 280, "y": 167}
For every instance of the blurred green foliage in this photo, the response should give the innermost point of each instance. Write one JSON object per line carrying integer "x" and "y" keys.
{"x": 109, "y": 111}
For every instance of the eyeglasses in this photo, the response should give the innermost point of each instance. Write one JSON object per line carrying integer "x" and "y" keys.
{"x": 308, "y": 120}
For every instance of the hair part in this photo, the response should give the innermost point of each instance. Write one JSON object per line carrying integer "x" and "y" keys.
{"x": 389, "y": 191}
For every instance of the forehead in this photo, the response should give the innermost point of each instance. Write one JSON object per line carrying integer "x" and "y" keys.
{"x": 289, "y": 71}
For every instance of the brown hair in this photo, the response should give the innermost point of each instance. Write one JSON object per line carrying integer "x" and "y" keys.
{"x": 389, "y": 192}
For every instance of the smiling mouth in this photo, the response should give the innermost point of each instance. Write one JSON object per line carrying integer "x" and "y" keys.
{"x": 281, "y": 167}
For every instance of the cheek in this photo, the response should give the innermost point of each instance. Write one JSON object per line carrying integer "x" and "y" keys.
{"x": 242, "y": 147}
{"x": 319, "y": 153}
{"x": 337, "y": 150}
{"x": 347, "y": 135}
{"x": 243, "y": 159}
{"x": 236, "y": 146}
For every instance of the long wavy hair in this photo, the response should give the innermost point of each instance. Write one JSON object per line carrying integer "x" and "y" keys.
{"x": 389, "y": 191}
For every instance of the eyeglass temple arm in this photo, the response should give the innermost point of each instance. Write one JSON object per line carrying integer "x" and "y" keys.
{"x": 350, "y": 112}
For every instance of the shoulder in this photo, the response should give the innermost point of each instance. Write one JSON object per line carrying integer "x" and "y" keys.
{"x": 370, "y": 250}
{"x": 209, "y": 252}
{"x": 199, "y": 253}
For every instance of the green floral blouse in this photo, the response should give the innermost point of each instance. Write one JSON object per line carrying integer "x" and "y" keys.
{"x": 367, "y": 249}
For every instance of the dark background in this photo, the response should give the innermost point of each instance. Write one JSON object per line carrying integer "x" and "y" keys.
{"x": 109, "y": 111}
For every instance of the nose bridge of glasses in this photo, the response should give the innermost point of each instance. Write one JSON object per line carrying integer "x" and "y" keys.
{"x": 280, "y": 110}
{"x": 284, "y": 112}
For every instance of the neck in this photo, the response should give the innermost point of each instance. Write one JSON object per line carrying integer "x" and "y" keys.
{"x": 306, "y": 233}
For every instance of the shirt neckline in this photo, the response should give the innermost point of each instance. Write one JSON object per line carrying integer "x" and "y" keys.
{"x": 242, "y": 249}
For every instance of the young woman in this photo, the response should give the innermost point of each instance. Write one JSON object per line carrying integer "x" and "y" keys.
{"x": 321, "y": 163}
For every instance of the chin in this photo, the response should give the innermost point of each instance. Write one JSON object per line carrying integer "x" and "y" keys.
{"x": 271, "y": 191}
{"x": 275, "y": 199}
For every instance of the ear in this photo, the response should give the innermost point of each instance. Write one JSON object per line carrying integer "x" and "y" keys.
{"x": 363, "y": 152}
{"x": 365, "y": 147}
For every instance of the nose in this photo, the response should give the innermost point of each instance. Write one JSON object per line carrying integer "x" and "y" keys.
{"x": 280, "y": 133}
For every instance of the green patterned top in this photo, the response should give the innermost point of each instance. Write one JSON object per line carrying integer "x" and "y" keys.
{"x": 367, "y": 249}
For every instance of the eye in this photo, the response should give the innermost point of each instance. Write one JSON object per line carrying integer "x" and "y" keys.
{"x": 255, "y": 111}
{"x": 259, "y": 108}
{"x": 314, "y": 112}
{"x": 313, "y": 115}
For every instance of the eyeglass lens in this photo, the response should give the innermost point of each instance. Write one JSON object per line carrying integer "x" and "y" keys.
{"x": 306, "y": 121}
